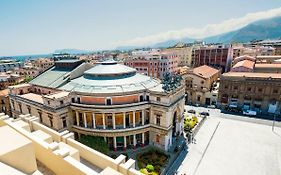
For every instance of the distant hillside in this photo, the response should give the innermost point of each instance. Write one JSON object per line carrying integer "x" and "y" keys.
{"x": 259, "y": 30}
{"x": 72, "y": 51}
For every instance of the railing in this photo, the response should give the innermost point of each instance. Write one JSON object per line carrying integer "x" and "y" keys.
{"x": 19, "y": 98}
{"x": 109, "y": 106}
{"x": 110, "y": 130}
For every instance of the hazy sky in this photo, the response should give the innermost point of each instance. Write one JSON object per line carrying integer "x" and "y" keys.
{"x": 37, "y": 26}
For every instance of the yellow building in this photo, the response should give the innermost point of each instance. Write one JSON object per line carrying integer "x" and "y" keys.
{"x": 201, "y": 85}
{"x": 109, "y": 100}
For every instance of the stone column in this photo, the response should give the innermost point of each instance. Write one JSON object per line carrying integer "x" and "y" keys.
{"x": 85, "y": 119}
{"x": 125, "y": 143}
{"x": 113, "y": 119}
{"x": 114, "y": 144}
{"x": 94, "y": 120}
{"x": 77, "y": 118}
{"x": 124, "y": 119}
{"x": 135, "y": 141}
{"x": 134, "y": 118}
{"x": 142, "y": 139}
{"x": 142, "y": 118}
{"x": 103, "y": 121}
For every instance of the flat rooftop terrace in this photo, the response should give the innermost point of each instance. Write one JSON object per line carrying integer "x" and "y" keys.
{"x": 238, "y": 146}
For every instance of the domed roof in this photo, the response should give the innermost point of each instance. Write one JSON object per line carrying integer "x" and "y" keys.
{"x": 109, "y": 68}
{"x": 111, "y": 77}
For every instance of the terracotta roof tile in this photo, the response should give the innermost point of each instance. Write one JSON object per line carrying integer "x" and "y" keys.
{"x": 245, "y": 63}
{"x": 4, "y": 92}
{"x": 205, "y": 71}
{"x": 252, "y": 75}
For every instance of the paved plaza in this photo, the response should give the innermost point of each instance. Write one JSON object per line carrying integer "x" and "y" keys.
{"x": 234, "y": 145}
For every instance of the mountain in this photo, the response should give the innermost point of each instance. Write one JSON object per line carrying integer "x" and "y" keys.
{"x": 72, "y": 51}
{"x": 173, "y": 42}
{"x": 259, "y": 30}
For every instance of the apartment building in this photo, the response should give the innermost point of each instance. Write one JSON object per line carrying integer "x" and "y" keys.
{"x": 8, "y": 79}
{"x": 184, "y": 53}
{"x": 251, "y": 90}
{"x": 201, "y": 85}
{"x": 109, "y": 100}
{"x": 8, "y": 65}
{"x": 219, "y": 56}
{"x": 5, "y": 102}
{"x": 154, "y": 64}
{"x": 262, "y": 64}
{"x": 42, "y": 64}
{"x": 27, "y": 71}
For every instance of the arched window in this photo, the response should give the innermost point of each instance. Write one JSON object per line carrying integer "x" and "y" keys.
{"x": 147, "y": 98}
{"x": 141, "y": 98}
{"x": 108, "y": 101}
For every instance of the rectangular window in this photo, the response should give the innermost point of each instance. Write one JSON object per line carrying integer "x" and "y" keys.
{"x": 50, "y": 116}
{"x": 158, "y": 117}
{"x": 40, "y": 115}
{"x": 64, "y": 123}
{"x": 29, "y": 109}
{"x": 20, "y": 108}
{"x": 158, "y": 99}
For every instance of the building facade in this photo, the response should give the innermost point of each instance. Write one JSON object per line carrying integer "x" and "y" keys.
{"x": 42, "y": 64}
{"x": 5, "y": 102}
{"x": 216, "y": 56}
{"x": 201, "y": 84}
{"x": 9, "y": 80}
{"x": 154, "y": 64}
{"x": 110, "y": 100}
{"x": 28, "y": 147}
{"x": 7, "y": 65}
{"x": 250, "y": 90}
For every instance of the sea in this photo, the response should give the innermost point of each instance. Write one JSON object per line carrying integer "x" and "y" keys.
{"x": 23, "y": 58}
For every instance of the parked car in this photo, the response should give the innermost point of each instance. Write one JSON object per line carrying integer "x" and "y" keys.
{"x": 212, "y": 106}
{"x": 191, "y": 111}
{"x": 205, "y": 113}
{"x": 250, "y": 113}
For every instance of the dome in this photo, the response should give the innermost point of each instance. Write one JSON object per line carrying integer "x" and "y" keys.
{"x": 111, "y": 77}
{"x": 109, "y": 68}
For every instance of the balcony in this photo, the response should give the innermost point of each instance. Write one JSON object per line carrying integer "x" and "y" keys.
{"x": 99, "y": 131}
{"x": 81, "y": 105}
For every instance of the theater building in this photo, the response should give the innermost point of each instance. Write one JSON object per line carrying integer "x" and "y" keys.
{"x": 109, "y": 100}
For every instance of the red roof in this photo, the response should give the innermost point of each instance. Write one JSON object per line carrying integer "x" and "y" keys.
{"x": 205, "y": 71}
{"x": 245, "y": 63}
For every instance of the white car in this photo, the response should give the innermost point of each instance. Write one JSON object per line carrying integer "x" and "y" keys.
{"x": 250, "y": 112}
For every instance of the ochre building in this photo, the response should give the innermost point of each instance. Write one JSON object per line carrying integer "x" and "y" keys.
{"x": 109, "y": 100}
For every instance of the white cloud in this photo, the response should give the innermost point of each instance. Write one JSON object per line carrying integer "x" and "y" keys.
{"x": 208, "y": 30}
